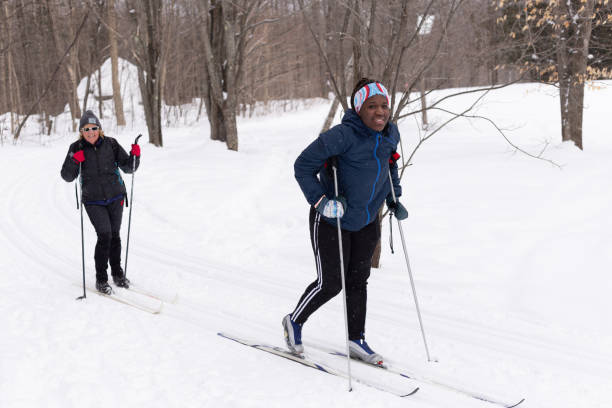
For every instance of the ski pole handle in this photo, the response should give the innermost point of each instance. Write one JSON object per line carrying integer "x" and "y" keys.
{"x": 333, "y": 162}
{"x": 134, "y": 158}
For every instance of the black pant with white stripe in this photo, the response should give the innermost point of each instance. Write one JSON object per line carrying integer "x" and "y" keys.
{"x": 358, "y": 247}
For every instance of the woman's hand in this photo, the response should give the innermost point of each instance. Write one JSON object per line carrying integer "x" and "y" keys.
{"x": 400, "y": 212}
{"x": 78, "y": 157}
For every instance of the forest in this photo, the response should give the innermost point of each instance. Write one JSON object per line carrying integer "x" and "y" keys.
{"x": 230, "y": 55}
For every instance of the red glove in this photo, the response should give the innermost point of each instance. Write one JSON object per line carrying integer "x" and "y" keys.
{"x": 79, "y": 156}
{"x": 135, "y": 150}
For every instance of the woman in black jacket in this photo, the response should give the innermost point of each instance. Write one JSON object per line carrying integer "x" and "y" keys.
{"x": 98, "y": 158}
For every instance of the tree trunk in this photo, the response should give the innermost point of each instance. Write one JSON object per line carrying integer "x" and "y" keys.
{"x": 152, "y": 80}
{"x": 87, "y": 91}
{"x": 424, "y": 122}
{"x": 231, "y": 130}
{"x": 572, "y": 53}
{"x": 100, "y": 99}
{"x": 378, "y": 249}
{"x": 144, "y": 92}
{"x": 223, "y": 51}
{"x": 217, "y": 127}
{"x": 13, "y": 88}
{"x": 73, "y": 69}
{"x": 114, "y": 54}
{"x": 73, "y": 102}
{"x": 330, "y": 115}
{"x": 232, "y": 53}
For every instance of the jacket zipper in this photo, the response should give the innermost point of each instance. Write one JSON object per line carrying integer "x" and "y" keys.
{"x": 98, "y": 170}
{"x": 378, "y": 136}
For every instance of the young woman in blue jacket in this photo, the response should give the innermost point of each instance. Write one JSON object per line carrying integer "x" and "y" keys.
{"x": 362, "y": 145}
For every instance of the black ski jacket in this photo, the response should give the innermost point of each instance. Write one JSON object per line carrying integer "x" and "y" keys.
{"x": 101, "y": 180}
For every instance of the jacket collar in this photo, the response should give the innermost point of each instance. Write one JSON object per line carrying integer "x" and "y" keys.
{"x": 97, "y": 144}
{"x": 353, "y": 120}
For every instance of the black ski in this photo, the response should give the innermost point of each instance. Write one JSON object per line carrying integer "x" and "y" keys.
{"x": 316, "y": 365}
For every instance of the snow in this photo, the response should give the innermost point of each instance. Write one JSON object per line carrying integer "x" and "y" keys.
{"x": 510, "y": 256}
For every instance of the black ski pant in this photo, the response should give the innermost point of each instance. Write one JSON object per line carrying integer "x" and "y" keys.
{"x": 106, "y": 220}
{"x": 357, "y": 248}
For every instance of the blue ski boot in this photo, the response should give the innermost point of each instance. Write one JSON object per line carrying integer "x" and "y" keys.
{"x": 293, "y": 335}
{"x": 360, "y": 350}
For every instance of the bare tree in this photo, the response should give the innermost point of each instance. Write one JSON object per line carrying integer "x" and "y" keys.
{"x": 11, "y": 87}
{"x": 114, "y": 54}
{"x": 146, "y": 52}
{"x": 574, "y": 32}
{"x": 225, "y": 52}
{"x": 227, "y": 27}
{"x": 552, "y": 39}
{"x": 63, "y": 14}
{"x": 51, "y": 80}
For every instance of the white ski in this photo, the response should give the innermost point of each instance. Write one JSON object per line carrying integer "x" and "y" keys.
{"x": 426, "y": 380}
{"x": 154, "y": 295}
{"x": 153, "y": 306}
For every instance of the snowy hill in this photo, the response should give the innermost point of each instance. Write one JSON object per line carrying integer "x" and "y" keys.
{"x": 510, "y": 254}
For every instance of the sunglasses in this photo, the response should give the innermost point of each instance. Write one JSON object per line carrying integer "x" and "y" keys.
{"x": 91, "y": 128}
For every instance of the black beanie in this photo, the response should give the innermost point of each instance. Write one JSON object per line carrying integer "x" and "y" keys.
{"x": 87, "y": 118}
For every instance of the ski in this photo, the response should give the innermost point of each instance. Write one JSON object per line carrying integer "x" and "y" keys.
{"x": 316, "y": 365}
{"x": 426, "y": 380}
{"x": 153, "y": 309}
{"x": 153, "y": 295}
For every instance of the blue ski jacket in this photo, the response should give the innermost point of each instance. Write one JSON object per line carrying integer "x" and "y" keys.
{"x": 363, "y": 169}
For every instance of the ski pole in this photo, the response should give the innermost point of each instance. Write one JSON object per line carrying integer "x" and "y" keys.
{"x": 348, "y": 355}
{"x": 416, "y": 302}
{"x": 127, "y": 246}
{"x": 82, "y": 234}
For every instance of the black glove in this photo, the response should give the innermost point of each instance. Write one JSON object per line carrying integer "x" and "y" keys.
{"x": 396, "y": 208}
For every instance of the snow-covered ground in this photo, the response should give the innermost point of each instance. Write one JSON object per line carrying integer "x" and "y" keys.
{"x": 511, "y": 257}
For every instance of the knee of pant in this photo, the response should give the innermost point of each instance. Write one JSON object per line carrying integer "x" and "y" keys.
{"x": 332, "y": 287}
{"x": 105, "y": 238}
{"x": 357, "y": 286}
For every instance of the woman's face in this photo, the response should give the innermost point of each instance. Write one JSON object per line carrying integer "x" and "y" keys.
{"x": 91, "y": 133}
{"x": 375, "y": 112}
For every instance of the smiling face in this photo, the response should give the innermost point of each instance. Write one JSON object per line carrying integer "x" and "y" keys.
{"x": 91, "y": 133}
{"x": 375, "y": 112}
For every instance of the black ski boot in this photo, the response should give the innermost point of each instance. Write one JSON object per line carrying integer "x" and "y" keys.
{"x": 121, "y": 281}
{"x": 119, "y": 276}
{"x": 104, "y": 287}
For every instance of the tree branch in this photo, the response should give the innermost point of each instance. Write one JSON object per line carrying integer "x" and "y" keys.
{"x": 51, "y": 80}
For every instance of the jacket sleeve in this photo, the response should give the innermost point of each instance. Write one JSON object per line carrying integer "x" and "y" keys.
{"x": 394, "y": 167}
{"x": 311, "y": 160}
{"x": 124, "y": 160}
{"x": 70, "y": 169}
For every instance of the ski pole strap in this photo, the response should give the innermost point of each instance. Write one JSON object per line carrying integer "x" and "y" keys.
{"x": 391, "y": 231}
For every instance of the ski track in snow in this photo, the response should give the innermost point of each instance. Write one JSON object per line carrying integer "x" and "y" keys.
{"x": 228, "y": 232}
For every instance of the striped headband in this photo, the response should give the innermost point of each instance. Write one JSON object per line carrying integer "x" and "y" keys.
{"x": 368, "y": 91}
